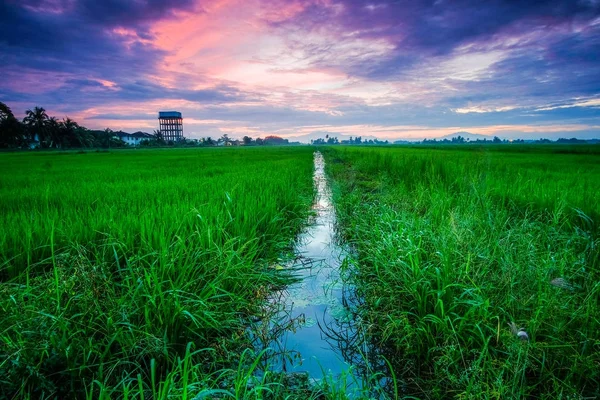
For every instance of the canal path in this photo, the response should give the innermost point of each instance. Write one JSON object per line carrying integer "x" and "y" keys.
{"x": 315, "y": 304}
{"x": 310, "y": 326}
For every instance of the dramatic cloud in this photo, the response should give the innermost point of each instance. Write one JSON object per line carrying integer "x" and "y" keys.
{"x": 307, "y": 67}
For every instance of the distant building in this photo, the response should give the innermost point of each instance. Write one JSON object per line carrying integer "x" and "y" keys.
{"x": 133, "y": 139}
{"x": 171, "y": 125}
{"x": 34, "y": 143}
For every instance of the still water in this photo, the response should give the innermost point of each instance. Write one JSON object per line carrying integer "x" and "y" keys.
{"x": 311, "y": 326}
{"x": 316, "y": 303}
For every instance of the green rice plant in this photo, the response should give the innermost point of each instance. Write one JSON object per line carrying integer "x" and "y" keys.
{"x": 116, "y": 267}
{"x": 455, "y": 246}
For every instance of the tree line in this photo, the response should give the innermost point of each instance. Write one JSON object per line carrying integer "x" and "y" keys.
{"x": 353, "y": 140}
{"x": 38, "y": 129}
{"x": 496, "y": 140}
{"x": 454, "y": 140}
{"x": 224, "y": 140}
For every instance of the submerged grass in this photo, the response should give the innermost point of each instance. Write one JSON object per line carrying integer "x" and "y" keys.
{"x": 457, "y": 248}
{"x": 131, "y": 274}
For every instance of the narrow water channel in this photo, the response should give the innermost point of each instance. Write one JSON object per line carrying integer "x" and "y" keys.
{"x": 311, "y": 326}
{"x": 315, "y": 303}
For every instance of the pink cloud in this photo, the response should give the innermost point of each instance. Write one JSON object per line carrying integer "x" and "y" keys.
{"x": 293, "y": 67}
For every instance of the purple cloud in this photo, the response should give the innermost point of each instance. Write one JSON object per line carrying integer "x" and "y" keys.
{"x": 345, "y": 62}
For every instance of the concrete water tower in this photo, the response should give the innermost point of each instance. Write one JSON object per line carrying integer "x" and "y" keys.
{"x": 171, "y": 125}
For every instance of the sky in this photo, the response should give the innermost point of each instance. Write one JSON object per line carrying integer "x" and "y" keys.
{"x": 406, "y": 69}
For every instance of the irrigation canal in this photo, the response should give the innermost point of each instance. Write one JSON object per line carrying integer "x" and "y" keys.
{"x": 312, "y": 328}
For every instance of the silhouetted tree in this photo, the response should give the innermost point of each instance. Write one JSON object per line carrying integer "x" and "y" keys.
{"x": 11, "y": 130}
{"x": 159, "y": 139}
{"x": 272, "y": 139}
{"x": 73, "y": 134}
{"x": 36, "y": 120}
{"x": 55, "y": 133}
{"x": 106, "y": 138}
{"x": 224, "y": 139}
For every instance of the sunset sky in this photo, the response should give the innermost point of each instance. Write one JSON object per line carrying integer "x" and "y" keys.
{"x": 390, "y": 69}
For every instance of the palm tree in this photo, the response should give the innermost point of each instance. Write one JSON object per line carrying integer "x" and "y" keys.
{"x": 36, "y": 120}
{"x": 158, "y": 135}
{"x": 54, "y": 132}
{"x": 70, "y": 132}
{"x": 107, "y": 137}
{"x": 84, "y": 137}
{"x": 11, "y": 130}
{"x": 5, "y": 112}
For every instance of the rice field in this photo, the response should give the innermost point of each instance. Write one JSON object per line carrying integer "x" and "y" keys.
{"x": 136, "y": 274}
{"x": 479, "y": 268}
{"x": 132, "y": 274}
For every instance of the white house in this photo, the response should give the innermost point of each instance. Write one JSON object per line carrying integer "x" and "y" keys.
{"x": 133, "y": 139}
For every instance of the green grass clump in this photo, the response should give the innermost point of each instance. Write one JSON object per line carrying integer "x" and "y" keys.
{"x": 131, "y": 274}
{"x": 453, "y": 245}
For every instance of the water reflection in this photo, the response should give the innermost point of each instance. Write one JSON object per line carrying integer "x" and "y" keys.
{"x": 316, "y": 300}
{"x": 311, "y": 325}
